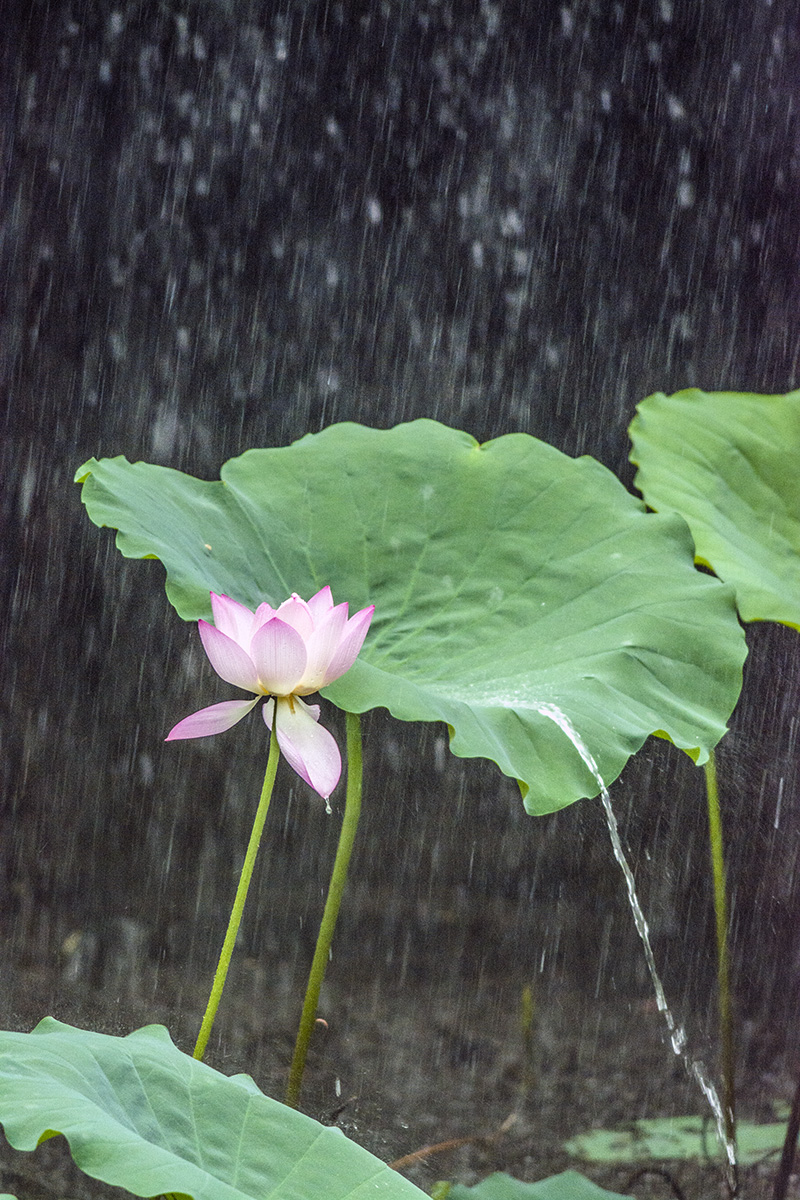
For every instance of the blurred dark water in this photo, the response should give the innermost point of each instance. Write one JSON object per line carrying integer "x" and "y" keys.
{"x": 225, "y": 225}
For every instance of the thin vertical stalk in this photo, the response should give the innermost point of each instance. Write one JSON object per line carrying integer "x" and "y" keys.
{"x": 789, "y": 1151}
{"x": 239, "y": 900}
{"x": 725, "y": 1003}
{"x": 352, "y": 811}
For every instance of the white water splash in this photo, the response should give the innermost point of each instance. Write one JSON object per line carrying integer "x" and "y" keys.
{"x": 696, "y": 1069}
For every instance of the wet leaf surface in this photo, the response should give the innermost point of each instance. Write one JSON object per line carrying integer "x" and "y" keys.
{"x": 506, "y": 577}
{"x": 728, "y": 463}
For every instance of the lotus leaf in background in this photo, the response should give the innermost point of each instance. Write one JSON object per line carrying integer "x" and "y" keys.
{"x": 729, "y": 463}
{"x": 141, "y": 1115}
{"x": 569, "y": 1185}
{"x": 506, "y": 577}
{"x": 678, "y": 1138}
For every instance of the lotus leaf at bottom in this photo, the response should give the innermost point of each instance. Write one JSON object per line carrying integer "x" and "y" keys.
{"x": 676, "y": 1138}
{"x": 141, "y": 1115}
{"x": 569, "y": 1185}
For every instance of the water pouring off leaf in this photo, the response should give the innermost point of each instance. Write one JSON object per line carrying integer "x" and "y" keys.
{"x": 695, "y": 1068}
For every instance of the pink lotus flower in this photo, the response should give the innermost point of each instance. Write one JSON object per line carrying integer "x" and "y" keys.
{"x": 283, "y": 653}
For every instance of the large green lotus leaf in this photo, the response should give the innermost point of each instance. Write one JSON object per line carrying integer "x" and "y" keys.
{"x": 506, "y": 577}
{"x": 141, "y": 1115}
{"x": 569, "y": 1185}
{"x": 730, "y": 465}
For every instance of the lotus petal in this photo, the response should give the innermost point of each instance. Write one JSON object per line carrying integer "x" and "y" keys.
{"x": 307, "y": 746}
{"x": 215, "y": 719}
{"x": 228, "y": 659}
{"x": 265, "y": 612}
{"x": 233, "y": 618}
{"x": 320, "y": 603}
{"x": 294, "y": 612}
{"x": 322, "y": 646}
{"x": 279, "y": 654}
{"x": 352, "y": 641}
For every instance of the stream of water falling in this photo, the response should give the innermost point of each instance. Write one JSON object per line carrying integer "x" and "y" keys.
{"x": 696, "y": 1069}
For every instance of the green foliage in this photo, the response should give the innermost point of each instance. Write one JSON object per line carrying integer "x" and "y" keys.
{"x": 729, "y": 463}
{"x": 506, "y": 576}
{"x": 569, "y": 1185}
{"x": 141, "y": 1115}
{"x": 676, "y": 1138}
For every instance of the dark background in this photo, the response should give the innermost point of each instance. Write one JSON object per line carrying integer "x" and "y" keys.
{"x": 226, "y": 224}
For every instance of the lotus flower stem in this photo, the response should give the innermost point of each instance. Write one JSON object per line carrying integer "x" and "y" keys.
{"x": 352, "y": 811}
{"x": 727, "y": 1055}
{"x": 239, "y": 901}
